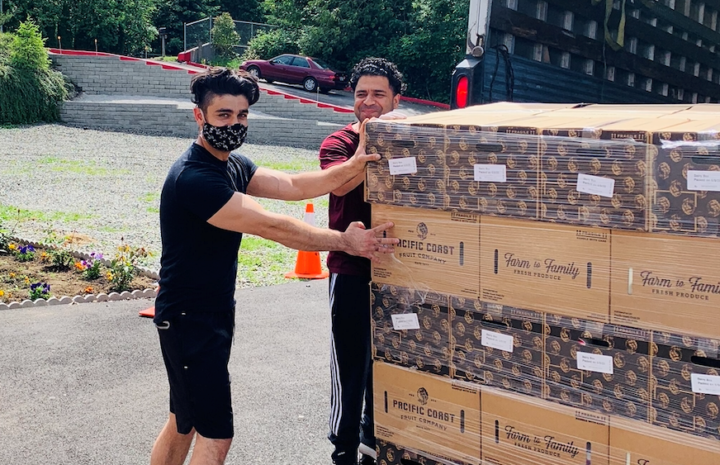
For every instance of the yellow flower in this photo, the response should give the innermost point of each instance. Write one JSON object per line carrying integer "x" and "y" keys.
{"x": 109, "y": 276}
{"x": 12, "y": 246}
{"x": 12, "y": 275}
{"x": 2, "y": 293}
{"x": 27, "y": 280}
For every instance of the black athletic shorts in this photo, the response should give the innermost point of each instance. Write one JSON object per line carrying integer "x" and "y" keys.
{"x": 196, "y": 350}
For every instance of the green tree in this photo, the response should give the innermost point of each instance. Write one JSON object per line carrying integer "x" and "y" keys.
{"x": 136, "y": 28}
{"x": 433, "y": 45}
{"x": 246, "y": 10}
{"x": 172, "y": 14}
{"x": 27, "y": 50}
{"x": 120, "y": 26}
{"x": 425, "y": 38}
{"x": 224, "y": 36}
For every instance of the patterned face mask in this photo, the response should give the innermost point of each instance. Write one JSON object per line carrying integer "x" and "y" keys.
{"x": 225, "y": 138}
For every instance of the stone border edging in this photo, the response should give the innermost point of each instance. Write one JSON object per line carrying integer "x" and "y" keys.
{"x": 78, "y": 299}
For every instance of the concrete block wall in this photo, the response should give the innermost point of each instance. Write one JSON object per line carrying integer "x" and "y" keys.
{"x": 165, "y": 119}
{"x": 274, "y": 118}
{"x": 103, "y": 75}
{"x": 292, "y": 108}
{"x": 175, "y": 120}
{"x": 111, "y": 76}
{"x": 289, "y": 132}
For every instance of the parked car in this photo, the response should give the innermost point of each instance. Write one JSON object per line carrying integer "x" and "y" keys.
{"x": 312, "y": 73}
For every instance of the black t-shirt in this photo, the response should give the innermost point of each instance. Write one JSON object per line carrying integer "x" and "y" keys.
{"x": 198, "y": 266}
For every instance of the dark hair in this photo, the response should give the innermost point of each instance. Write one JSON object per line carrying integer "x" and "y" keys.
{"x": 223, "y": 81}
{"x": 378, "y": 67}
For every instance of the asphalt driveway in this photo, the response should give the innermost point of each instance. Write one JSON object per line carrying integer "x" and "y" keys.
{"x": 85, "y": 384}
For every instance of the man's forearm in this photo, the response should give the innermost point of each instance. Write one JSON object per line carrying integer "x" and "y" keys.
{"x": 316, "y": 183}
{"x": 299, "y": 235}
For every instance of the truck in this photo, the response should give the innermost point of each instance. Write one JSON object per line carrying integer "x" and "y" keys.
{"x": 590, "y": 51}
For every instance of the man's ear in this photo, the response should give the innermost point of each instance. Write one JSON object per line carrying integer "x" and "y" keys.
{"x": 396, "y": 101}
{"x": 197, "y": 112}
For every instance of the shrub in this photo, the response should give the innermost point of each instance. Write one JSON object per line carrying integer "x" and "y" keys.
{"x": 30, "y": 91}
{"x": 268, "y": 44}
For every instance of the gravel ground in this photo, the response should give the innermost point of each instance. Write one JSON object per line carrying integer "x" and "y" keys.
{"x": 106, "y": 185}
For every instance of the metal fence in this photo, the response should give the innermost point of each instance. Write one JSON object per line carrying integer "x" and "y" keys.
{"x": 198, "y": 32}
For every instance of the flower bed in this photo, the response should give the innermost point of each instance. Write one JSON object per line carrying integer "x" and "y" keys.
{"x": 40, "y": 274}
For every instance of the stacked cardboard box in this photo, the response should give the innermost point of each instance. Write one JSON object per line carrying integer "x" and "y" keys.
{"x": 685, "y": 183}
{"x": 561, "y": 303}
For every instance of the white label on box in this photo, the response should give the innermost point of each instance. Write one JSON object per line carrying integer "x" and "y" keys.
{"x": 490, "y": 173}
{"x": 595, "y": 185}
{"x": 706, "y": 384}
{"x": 703, "y": 180}
{"x": 405, "y": 321}
{"x": 595, "y": 363}
{"x": 499, "y": 341}
{"x": 407, "y": 165}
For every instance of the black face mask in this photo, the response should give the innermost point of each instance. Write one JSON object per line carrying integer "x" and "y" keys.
{"x": 225, "y": 138}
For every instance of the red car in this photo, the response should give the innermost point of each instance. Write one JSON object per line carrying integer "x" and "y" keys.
{"x": 312, "y": 73}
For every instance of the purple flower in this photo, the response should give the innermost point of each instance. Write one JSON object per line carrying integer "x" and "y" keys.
{"x": 85, "y": 264}
{"x": 45, "y": 287}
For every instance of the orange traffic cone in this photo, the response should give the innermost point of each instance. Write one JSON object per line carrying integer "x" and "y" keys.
{"x": 307, "y": 265}
{"x": 149, "y": 312}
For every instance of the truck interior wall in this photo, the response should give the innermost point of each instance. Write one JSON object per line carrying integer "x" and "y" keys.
{"x": 540, "y": 82}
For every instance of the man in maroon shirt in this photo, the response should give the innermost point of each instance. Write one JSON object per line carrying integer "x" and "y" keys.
{"x": 377, "y": 85}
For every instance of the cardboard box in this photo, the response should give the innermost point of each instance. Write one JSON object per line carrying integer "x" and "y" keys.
{"x": 427, "y": 413}
{"x": 685, "y": 181}
{"x": 427, "y": 345}
{"x": 635, "y": 444}
{"x": 518, "y": 430}
{"x": 437, "y": 250}
{"x": 391, "y": 454}
{"x": 508, "y": 157}
{"x": 597, "y": 366}
{"x": 700, "y": 111}
{"x": 546, "y": 267}
{"x": 424, "y": 186}
{"x": 497, "y": 110}
{"x": 684, "y": 370}
{"x": 442, "y": 150}
{"x": 651, "y": 110}
{"x": 592, "y": 176}
{"x": 495, "y": 345}
{"x": 666, "y": 283}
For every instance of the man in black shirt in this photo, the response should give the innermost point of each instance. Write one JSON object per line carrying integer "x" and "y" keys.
{"x": 204, "y": 210}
